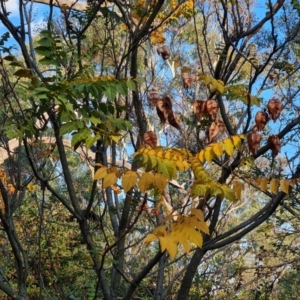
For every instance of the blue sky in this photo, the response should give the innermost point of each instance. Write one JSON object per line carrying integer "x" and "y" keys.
{"x": 13, "y": 7}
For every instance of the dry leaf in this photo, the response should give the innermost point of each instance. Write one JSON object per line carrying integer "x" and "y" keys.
{"x": 153, "y": 96}
{"x": 188, "y": 79}
{"x": 212, "y": 108}
{"x": 213, "y": 131}
{"x": 174, "y": 120}
{"x": 254, "y": 139}
{"x": 163, "y": 108}
{"x": 199, "y": 108}
{"x": 274, "y": 108}
{"x": 261, "y": 120}
{"x": 274, "y": 144}
{"x": 164, "y": 52}
{"x": 221, "y": 125}
{"x": 150, "y": 139}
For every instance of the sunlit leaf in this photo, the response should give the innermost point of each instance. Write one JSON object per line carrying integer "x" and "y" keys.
{"x": 160, "y": 182}
{"x": 150, "y": 238}
{"x": 274, "y": 185}
{"x": 145, "y": 181}
{"x": 100, "y": 173}
{"x": 109, "y": 180}
{"x": 263, "y": 184}
{"x": 285, "y": 185}
{"x": 218, "y": 149}
{"x": 129, "y": 180}
{"x": 228, "y": 146}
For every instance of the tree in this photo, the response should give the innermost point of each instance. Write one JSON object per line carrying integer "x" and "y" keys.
{"x": 80, "y": 138}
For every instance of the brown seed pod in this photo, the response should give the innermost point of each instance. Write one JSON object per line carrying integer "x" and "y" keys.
{"x": 274, "y": 144}
{"x": 274, "y": 108}
{"x": 150, "y": 139}
{"x": 163, "y": 108}
{"x": 174, "y": 120}
{"x": 199, "y": 108}
{"x": 164, "y": 52}
{"x": 188, "y": 79}
{"x": 221, "y": 126}
{"x": 212, "y": 108}
{"x": 254, "y": 139}
{"x": 261, "y": 120}
{"x": 153, "y": 96}
{"x": 213, "y": 131}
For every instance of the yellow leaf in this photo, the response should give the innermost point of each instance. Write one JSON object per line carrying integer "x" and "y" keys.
{"x": 193, "y": 235}
{"x": 171, "y": 247}
{"x": 150, "y": 238}
{"x": 186, "y": 165}
{"x": 274, "y": 185}
{"x": 218, "y": 149}
{"x": 157, "y": 37}
{"x": 209, "y": 154}
{"x": 198, "y": 213}
{"x": 160, "y": 230}
{"x": 10, "y": 188}
{"x": 162, "y": 243}
{"x": 109, "y": 180}
{"x": 238, "y": 187}
{"x": 31, "y": 187}
{"x": 115, "y": 138}
{"x": 178, "y": 236}
{"x": 228, "y": 145}
{"x": 263, "y": 184}
{"x": 202, "y": 226}
{"x": 201, "y": 156}
{"x": 129, "y": 180}
{"x": 247, "y": 161}
{"x": 180, "y": 165}
{"x": 236, "y": 141}
{"x": 160, "y": 182}
{"x": 257, "y": 182}
{"x": 145, "y": 181}
{"x": 100, "y": 173}
{"x": 168, "y": 155}
{"x": 285, "y": 185}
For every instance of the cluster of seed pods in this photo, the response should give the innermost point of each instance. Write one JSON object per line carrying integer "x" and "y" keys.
{"x": 272, "y": 111}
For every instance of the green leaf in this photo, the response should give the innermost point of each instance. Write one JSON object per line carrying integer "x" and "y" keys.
{"x": 95, "y": 120}
{"x": 167, "y": 168}
{"x": 110, "y": 91}
{"x": 67, "y": 128}
{"x": 26, "y": 73}
{"x": 229, "y": 194}
{"x": 91, "y": 140}
{"x": 82, "y": 135}
{"x": 122, "y": 88}
{"x": 131, "y": 85}
{"x": 200, "y": 189}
